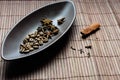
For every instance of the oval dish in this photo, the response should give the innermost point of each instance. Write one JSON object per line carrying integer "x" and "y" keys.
{"x": 55, "y": 11}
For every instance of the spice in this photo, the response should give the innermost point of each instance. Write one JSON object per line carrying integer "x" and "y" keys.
{"x": 72, "y": 48}
{"x": 90, "y": 29}
{"x": 46, "y": 21}
{"x": 39, "y": 37}
{"x": 81, "y": 51}
{"x": 55, "y": 31}
{"x": 88, "y": 47}
{"x": 60, "y": 21}
{"x": 88, "y": 55}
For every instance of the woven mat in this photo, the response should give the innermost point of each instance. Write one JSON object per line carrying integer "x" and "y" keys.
{"x": 65, "y": 61}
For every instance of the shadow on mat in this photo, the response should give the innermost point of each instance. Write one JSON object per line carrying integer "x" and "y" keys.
{"x": 36, "y": 62}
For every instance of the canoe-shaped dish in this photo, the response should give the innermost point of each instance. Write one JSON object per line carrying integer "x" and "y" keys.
{"x": 54, "y": 11}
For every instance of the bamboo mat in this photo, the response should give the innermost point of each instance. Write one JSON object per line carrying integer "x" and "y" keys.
{"x": 66, "y": 63}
